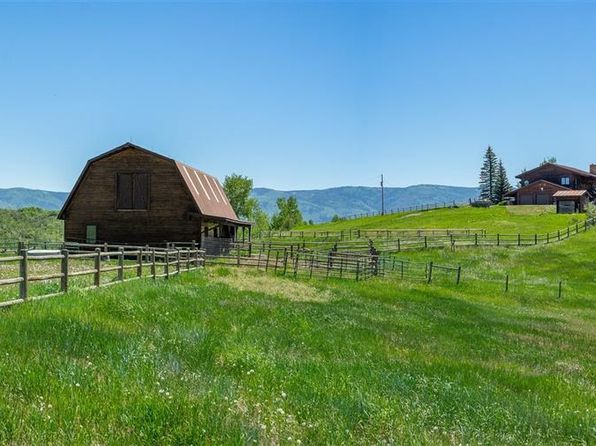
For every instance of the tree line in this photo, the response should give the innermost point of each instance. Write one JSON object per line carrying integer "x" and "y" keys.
{"x": 238, "y": 189}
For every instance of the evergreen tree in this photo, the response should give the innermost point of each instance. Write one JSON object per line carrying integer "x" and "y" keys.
{"x": 488, "y": 176}
{"x": 503, "y": 186}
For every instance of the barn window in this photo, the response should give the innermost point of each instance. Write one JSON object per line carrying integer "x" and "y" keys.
{"x": 132, "y": 191}
{"x": 565, "y": 181}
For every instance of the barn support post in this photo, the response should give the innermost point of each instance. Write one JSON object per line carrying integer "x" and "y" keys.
{"x": 64, "y": 271}
{"x": 97, "y": 275}
{"x": 23, "y": 272}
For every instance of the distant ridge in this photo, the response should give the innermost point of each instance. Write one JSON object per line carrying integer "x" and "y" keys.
{"x": 321, "y": 205}
{"x": 20, "y": 197}
{"x": 318, "y": 205}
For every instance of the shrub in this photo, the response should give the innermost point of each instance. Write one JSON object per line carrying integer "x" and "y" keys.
{"x": 481, "y": 204}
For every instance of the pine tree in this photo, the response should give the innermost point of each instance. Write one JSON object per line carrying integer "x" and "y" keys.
{"x": 503, "y": 186}
{"x": 488, "y": 176}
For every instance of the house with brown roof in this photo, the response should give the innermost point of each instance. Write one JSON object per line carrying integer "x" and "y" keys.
{"x": 551, "y": 183}
{"x": 131, "y": 195}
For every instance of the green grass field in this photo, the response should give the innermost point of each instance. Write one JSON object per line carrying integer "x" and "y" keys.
{"x": 237, "y": 356}
{"x": 496, "y": 219}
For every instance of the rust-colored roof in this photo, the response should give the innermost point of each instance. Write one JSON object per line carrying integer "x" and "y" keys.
{"x": 205, "y": 190}
{"x": 574, "y": 170}
{"x": 570, "y": 193}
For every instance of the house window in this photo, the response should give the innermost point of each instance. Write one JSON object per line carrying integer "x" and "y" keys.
{"x": 132, "y": 191}
{"x": 565, "y": 181}
{"x": 91, "y": 233}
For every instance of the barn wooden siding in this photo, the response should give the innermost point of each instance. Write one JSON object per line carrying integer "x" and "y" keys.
{"x": 167, "y": 216}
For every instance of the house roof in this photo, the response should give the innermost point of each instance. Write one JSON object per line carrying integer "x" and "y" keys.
{"x": 570, "y": 193}
{"x": 206, "y": 191}
{"x": 527, "y": 186}
{"x": 580, "y": 172}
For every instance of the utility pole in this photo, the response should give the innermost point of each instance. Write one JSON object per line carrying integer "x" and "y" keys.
{"x": 382, "y": 197}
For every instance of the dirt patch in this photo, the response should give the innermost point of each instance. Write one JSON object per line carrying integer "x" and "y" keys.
{"x": 260, "y": 282}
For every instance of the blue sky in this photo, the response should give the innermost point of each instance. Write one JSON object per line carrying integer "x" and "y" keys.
{"x": 300, "y": 95}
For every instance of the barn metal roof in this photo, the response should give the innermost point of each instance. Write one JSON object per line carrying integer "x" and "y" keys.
{"x": 205, "y": 190}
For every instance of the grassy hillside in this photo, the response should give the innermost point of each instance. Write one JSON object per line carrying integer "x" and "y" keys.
{"x": 503, "y": 219}
{"x": 322, "y": 205}
{"x": 234, "y": 356}
{"x": 29, "y": 224}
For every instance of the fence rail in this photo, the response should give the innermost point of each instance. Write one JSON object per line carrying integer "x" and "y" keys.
{"x": 418, "y": 239}
{"x": 157, "y": 262}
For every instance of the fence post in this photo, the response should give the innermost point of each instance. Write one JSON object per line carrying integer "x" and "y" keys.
{"x": 402, "y": 269}
{"x": 140, "y": 263}
{"x": 167, "y": 263}
{"x": 498, "y": 239}
{"x": 458, "y": 275}
{"x": 398, "y": 245}
{"x": 296, "y": 264}
{"x": 560, "y": 289}
{"x": 97, "y": 276}
{"x": 187, "y": 259}
{"x": 153, "y": 265}
{"x": 559, "y": 234}
{"x": 177, "y": 260}
{"x": 312, "y": 259}
{"x": 276, "y": 260}
{"x": 430, "y": 272}
{"x": 23, "y": 272}
{"x": 357, "y": 270}
{"x": 121, "y": 264}
{"x": 476, "y": 239}
{"x": 64, "y": 271}
{"x": 506, "y": 283}
{"x": 518, "y": 239}
{"x": 535, "y": 239}
{"x": 267, "y": 261}
{"x": 547, "y": 238}
{"x": 425, "y": 242}
{"x": 285, "y": 260}
{"x": 238, "y": 256}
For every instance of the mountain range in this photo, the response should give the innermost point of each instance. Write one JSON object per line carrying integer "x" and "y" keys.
{"x": 316, "y": 205}
{"x": 322, "y": 204}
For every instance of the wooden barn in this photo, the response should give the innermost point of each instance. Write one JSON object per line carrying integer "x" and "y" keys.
{"x": 131, "y": 195}
{"x": 539, "y": 185}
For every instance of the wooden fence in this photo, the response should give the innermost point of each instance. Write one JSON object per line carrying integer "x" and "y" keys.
{"x": 282, "y": 261}
{"x": 421, "y": 240}
{"x": 156, "y": 261}
{"x": 418, "y": 207}
{"x": 355, "y": 234}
